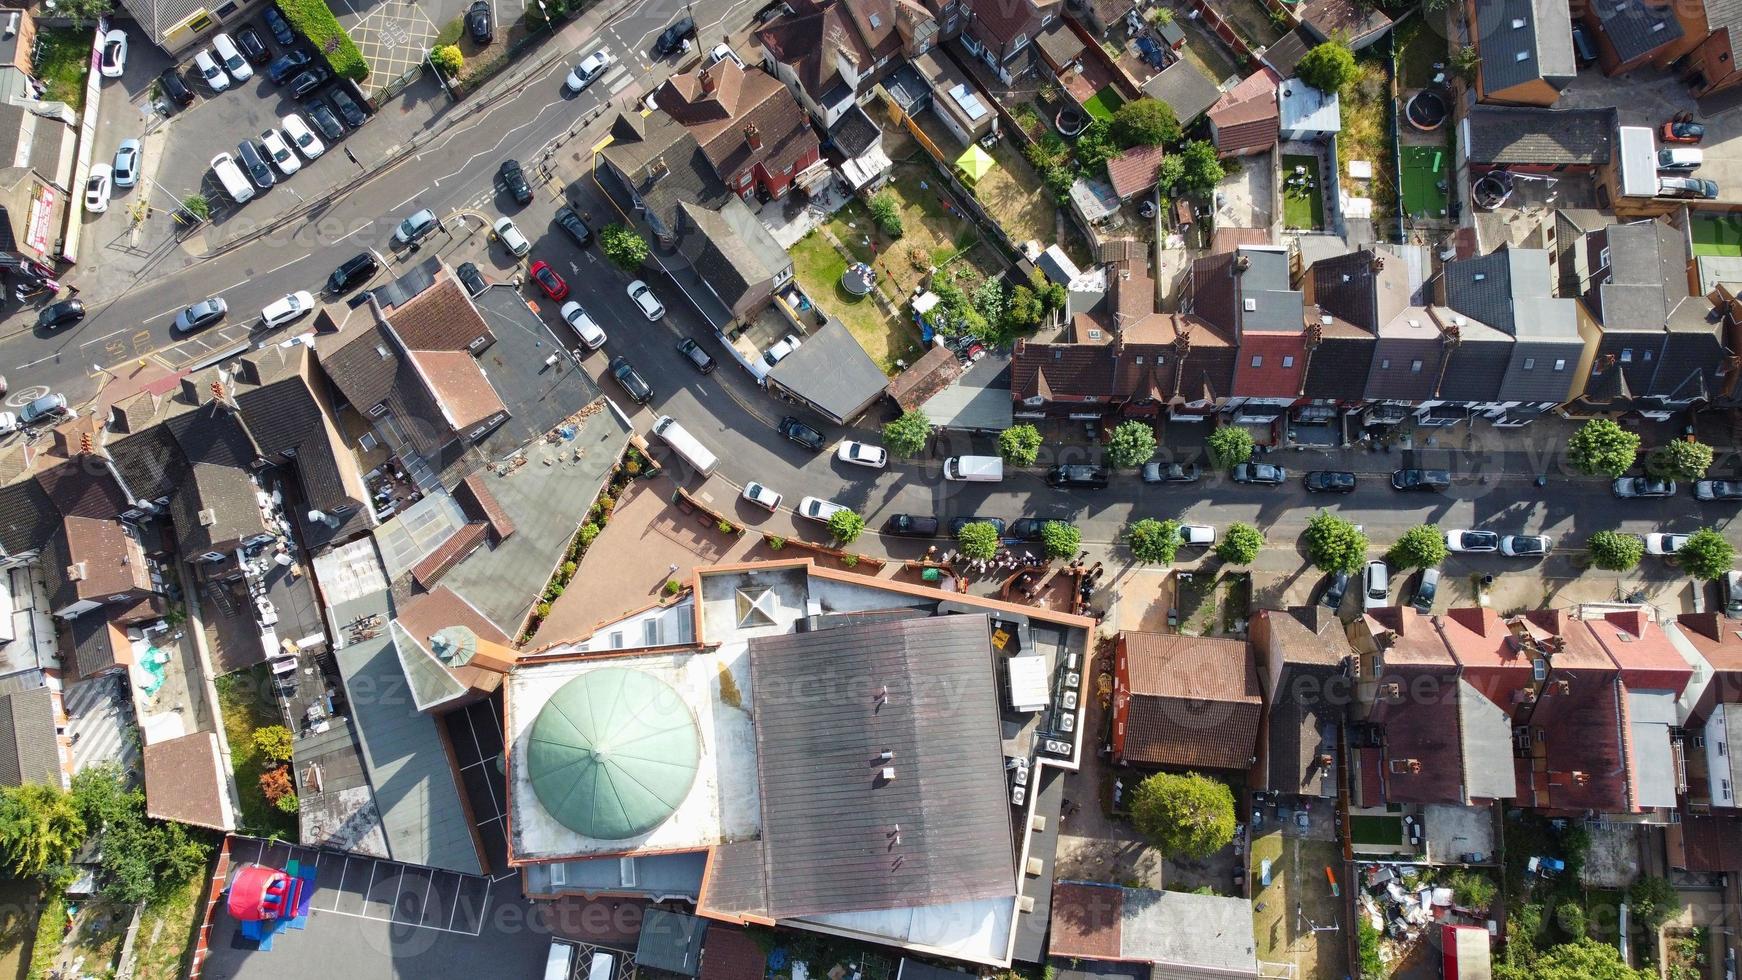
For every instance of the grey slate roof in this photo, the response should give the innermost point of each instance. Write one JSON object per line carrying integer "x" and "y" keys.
{"x": 1476, "y": 366}
{"x": 1544, "y": 37}
{"x": 826, "y": 815}
{"x": 1636, "y": 28}
{"x": 150, "y": 461}
{"x": 28, "y": 517}
{"x": 670, "y": 941}
{"x": 1504, "y": 135}
{"x": 1365, "y": 288}
{"x": 1255, "y": 299}
{"x": 854, "y": 132}
{"x": 1394, "y": 374}
{"x": 29, "y": 751}
{"x": 663, "y": 164}
{"x": 1184, "y": 86}
{"x": 832, "y": 372}
{"x": 732, "y": 252}
{"x": 155, "y": 16}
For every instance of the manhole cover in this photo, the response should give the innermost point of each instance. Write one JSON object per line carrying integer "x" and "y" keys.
{"x": 394, "y": 34}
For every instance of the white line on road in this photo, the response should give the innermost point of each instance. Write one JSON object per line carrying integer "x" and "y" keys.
{"x": 287, "y": 265}
{"x": 40, "y": 360}
{"x": 405, "y": 202}
{"x": 159, "y": 316}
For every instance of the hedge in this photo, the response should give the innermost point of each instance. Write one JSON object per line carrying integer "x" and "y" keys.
{"x": 316, "y": 22}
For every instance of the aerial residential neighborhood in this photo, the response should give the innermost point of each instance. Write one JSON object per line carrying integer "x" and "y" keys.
{"x": 870, "y": 489}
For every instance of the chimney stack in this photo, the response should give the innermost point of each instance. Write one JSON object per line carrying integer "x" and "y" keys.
{"x": 710, "y": 84}
{"x": 753, "y": 136}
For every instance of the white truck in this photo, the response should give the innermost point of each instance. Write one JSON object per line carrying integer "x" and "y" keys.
{"x": 684, "y": 444}
{"x": 974, "y": 469}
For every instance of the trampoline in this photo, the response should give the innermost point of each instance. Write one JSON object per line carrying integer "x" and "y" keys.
{"x": 1427, "y": 110}
{"x": 1424, "y": 181}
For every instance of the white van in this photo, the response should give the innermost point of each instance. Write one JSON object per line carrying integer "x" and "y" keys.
{"x": 230, "y": 175}
{"x": 974, "y": 469}
{"x": 684, "y": 444}
{"x": 1680, "y": 158}
{"x": 603, "y": 967}
{"x": 559, "y": 964}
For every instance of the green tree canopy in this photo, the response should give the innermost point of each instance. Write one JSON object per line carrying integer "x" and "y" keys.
{"x": 624, "y": 246}
{"x": 1471, "y": 888}
{"x": 449, "y": 59}
{"x": 1614, "y": 551}
{"x": 1201, "y": 165}
{"x": 1240, "y": 544}
{"x": 1145, "y": 122}
{"x": 1019, "y": 444}
{"x": 1422, "y": 546}
{"x": 1329, "y": 67}
{"x": 273, "y": 742}
{"x": 1131, "y": 444}
{"x": 1570, "y": 916}
{"x": 1706, "y": 555}
{"x": 886, "y": 213}
{"x": 40, "y": 829}
{"x": 978, "y": 540}
{"x": 1024, "y": 311}
{"x": 1586, "y": 959}
{"x": 1184, "y": 815}
{"x": 1653, "y": 900}
{"x": 1229, "y": 446}
{"x": 1062, "y": 540}
{"x": 1171, "y": 172}
{"x": 1095, "y": 146}
{"x": 907, "y": 436}
{"x": 1602, "y": 448}
{"x": 846, "y": 525}
{"x": 1334, "y": 544}
{"x": 1683, "y": 459}
{"x": 1152, "y": 541}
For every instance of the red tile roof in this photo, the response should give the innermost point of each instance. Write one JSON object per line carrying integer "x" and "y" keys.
{"x": 1246, "y": 117}
{"x": 1271, "y": 379}
{"x": 1413, "y": 638}
{"x": 1642, "y": 651}
{"x": 1193, "y": 702}
{"x": 449, "y": 553}
{"x": 730, "y": 954}
{"x": 460, "y": 385}
{"x": 481, "y": 505}
{"x": 1086, "y": 920}
{"x": 741, "y": 118}
{"x": 184, "y": 782}
{"x": 1134, "y": 171}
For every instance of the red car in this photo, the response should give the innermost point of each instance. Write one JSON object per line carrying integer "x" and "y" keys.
{"x": 549, "y": 282}
{"x": 1676, "y": 131}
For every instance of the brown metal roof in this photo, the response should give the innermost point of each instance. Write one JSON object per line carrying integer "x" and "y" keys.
{"x": 184, "y": 782}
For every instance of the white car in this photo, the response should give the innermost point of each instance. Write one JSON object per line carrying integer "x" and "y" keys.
{"x": 1376, "y": 586}
{"x": 651, "y": 307}
{"x": 287, "y": 310}
{"x": 508, "y": 233}
{"x": 279, "y": 151}
{"x": 97, "y": 187}
{"x": 862, "y": 454}
{"x": 1658, "y": 543}
{"x": 1525, "y": 545}
{"x": 304, "y": 138}
{"x": 721, "y": 52}
{"x": 208, "y": 68}
{"x": 233, "y": 61}
{"x": 8, "y": 423}
{"x": 114, "y": 58}
{"x": 1472, "y": 541}
{"x": 786, "y": 345}
{"x": 588, "y": 71}
{"x": 1197, "y": 535}
{"x": 583, "y": 325}
{"x": 818, "y": 509}
{"x": 761, "y": 496}
{"x": 126, "y": 172}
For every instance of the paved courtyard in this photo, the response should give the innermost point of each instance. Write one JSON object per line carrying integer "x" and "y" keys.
{"x": 392, "y": 36}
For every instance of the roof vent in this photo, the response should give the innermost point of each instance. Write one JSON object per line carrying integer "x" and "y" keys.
{"x": 208, "y": 517}
{"x": 888, "y": 774}
{"x": 1521, "y": 56}
{"x": 1251, "y": 305}
{"x": 1414, "y": 322}
{"x": 887, "y": 755}
{"x": 1347, "y": 277}
{"x": 12, "y": 25}
{"x": 1459, "y": 321}
{"x": 1325, "y": 318}
{"x": 1478, "y": 277}
{"x": 1656, "y": 26}
{"x": 1401, "y": 766}
{"x": 381, "y": 351}
{"x": 1518, "y": 23}
{"x": 1094, "y": 334}
{"x": 76, "y": 572}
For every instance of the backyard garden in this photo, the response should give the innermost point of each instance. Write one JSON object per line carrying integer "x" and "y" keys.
{"x": 1303, "y": 193}
{"x": 1366, "y": 134}
{"x": 245, "y": 699}
{"x": 63, "y": 62}
{"x": 1291, "y": 894}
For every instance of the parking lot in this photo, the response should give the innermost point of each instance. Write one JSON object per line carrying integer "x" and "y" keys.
{"x": 1647, "y": 98}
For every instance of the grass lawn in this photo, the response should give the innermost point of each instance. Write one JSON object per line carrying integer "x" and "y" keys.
{"x": 1374, "y": 829}
{"x": 245, "y": 699}
{"x": 1424, "y": 167}
{"x": 818, "y": 267}
{"x": 1015, "y": 198}
{"x": 166, "y": 932}
{"x": 1717, "y": 236}
{"x": 1102, "y": 104}
{"x": 1303, "y": 207}
{"x": 933, "y": 228}
{"x": 1297, "y": 876}
{"x": 1418, "y": 50}
{"x": 1366, "y": 135}
{"x": 64, "y": 63}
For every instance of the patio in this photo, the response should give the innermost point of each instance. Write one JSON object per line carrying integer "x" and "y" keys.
{"x": 791, "y": 218}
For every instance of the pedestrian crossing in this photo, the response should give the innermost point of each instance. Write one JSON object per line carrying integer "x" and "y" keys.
{"x": 100, "y": 724}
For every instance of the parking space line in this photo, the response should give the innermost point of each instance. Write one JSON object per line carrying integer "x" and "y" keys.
{"x": 456, "y": 909}
{"x": 393, "y": 910}
{"x": 414, "y": 925}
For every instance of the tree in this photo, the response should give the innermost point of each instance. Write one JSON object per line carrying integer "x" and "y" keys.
{"x": 1095, "y": 146}
{"x": 907, "y": 435}
{"x": 1024, "y": 312}
{"x": 1019, "y": 444}
{"x": 1062, "y": 540}
{"x": 449, "y": 59}
{"x": 1202, "y": 165}
{"x": 1335, "y": 544}
{"x": 1153, "y": 541}
{"x": 1330, "y": 67}
{"x": 1422, "y": 546}
{"x": 273, "y": 742}
{"x": 40, "y": 829}
{"x": 1602, "y": 448}
{"x": 1614, "y": 551}
{"x": 1586, "y": 959}
{"x": 1706, "y": 555}
{"x": 1570, "y": 916}
{"x": 624, "y": 246}
{"x": 1184, "y": 815}
{"x": 1653, "y": 901}
{"x": 198, "y": 206}
{"x": 81, "y": 12}
{"x": 1367, "y": 938}
{"x": 978, "y": 540}
{"x": 1471, "y": 888}
{"x": 276, "y": 782}
{"x": 145, "y": 859}
{"x": 886, "y": 213}
{"x": 846, "y": 525}
{"x": 1240, "y": 544}
{"x": 1229, "y": 446}
{"x": 1131, "y": 444}
{"x": 1171, "y": 172}
{"x": 1052, "y": 295}
{"x": 989, "y": 300}
{"x": 1684, "y": 459}
{"x": 1145, "y": 122}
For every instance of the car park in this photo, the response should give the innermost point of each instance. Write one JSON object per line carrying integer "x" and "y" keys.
{"x": 230, "y": 175}
{"x": 1264, "y": 474}
{"x": 1334, "y": 593}
{"x": 514, "y": 181}
{"x": 231, "y": 58}
{"x": 1197, "y": 535}
{"x": 802, "y": 434}
{"x": 480, "y": 22}
{"x": 44, "y": 409}
{"x": 414, "y": 228}
{"x": 321, "y": 115}
{"x": 113, "y": 59}
{"x": 1524, "y": 545}
{"x": 862, "y": 454}
{"x": 62, "y": 314}
{"x": 693, "y": 353}
{"x": 253, "y": 48}
{"x": 584, "y": 326}
{"x": 1718, "y": 490}
{"x": 673, "y": 38}
{"x": 200, "y": 315}
{"x": 549, "y": 283}
{"x": 587, "y": 71}
{"x": 301, "y": 136}
{"x": 645, "y": 301}
{"x": 125, "y": 169}
{"x": 574, "y": 227}
{"x": 761, "y": 496}
{"x": 1376, "y": 586}
{"x": 818, "y": 509}
{"x": 282, "y": 157}
{"x": 631, "y": 381}
{"x": 1079, "y": 476}
{"x": 1472, "y": 541}
{"x": 358, "y": 268}
{"x": 1156, "y": 471}
{"x": 213, "y": 75}
{"x": 957, "y": 523}
{"x": 253, "y": 161}
{"x": 287, "y": 65}
{"x": 1329, "y": 481}
{"x": 307, "y": 81}
{"x": 1664, "y": 545}
{"x": 175, "y": 89}
{"x": 911, "y": 526}
{"x": 1426, "y": 590}
{"x": 289, "y": 309}
{"x": 1631, "y": 487}
{"x": 352, "y": 113}
{"x": 471, "y": 278}
{"x": 97, "y": 188}
{"x": 1421, "y": 480}
{"x": 280, "y": 28}
{"x": 508, "y": 233}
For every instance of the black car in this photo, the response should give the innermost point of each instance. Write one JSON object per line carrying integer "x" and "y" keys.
{"x": 957, "y": 523}
{"x": 1627, "y": 487}
{"x": 1156, "y": 471}
{"x": 286, "y": 65}
{"x": 514, "y": 182}
{"x": 1077, "y": 475}
{"x": 1030, "y": 528}
{"x": 693, "y": 352}
{"x": 324, "y": 120}
{"x": 1421, "y": 479}
{"x": 61, "y": 314}
{"x": 175, "y": 89}
{"x": 253, "y": 48}
{"x": 349, "y": 110}
{"x": 633, "y": 383}
{"x": 253, "y": 160}
{"x": 1263, "y": 474}
{"x": 673, "y": 37}
{"x": 471, "y": 278}
{"x": 280, "y": 28}
{"x": 308, "y": 81}
{"x": 911, "y": 526}
{"x": 356, "y": 269}
{"x": 1333, "y": 597}
{"x": 479, "y": 22}
{"x": 802, "y": 434}
{"x": 574, "y": 227}
{"x": 1329, "y": 481}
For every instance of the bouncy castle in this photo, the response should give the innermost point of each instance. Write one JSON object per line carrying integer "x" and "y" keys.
{"x": 267, "y": 900}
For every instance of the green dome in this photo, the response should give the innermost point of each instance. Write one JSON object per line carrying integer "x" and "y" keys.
{"x": 613, "y": 753}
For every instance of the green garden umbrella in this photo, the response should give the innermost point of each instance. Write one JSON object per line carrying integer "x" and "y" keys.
{"x": 975, "y": 163}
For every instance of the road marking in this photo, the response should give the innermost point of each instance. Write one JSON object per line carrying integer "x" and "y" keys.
{"x": 405, "y": 202}
{"x": 288, "y": 264}
{"x": 159, "y": 316}
{"x": 40, "y": 360}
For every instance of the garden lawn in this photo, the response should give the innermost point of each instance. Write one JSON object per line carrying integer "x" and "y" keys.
{"x": 1717, "y": 236}
{"x": 1303, "y": 207}
{"x": 65, "y": 63}
{"x": 933, "y": 229}
{"x": 1015, "y": 198}
{"x": 818, "y": 267}
{"x": 1418, "y": 50}
{"x": 245, "y": 700}
{"x": 1298, "y": 889}
{"x": 1424, "y": 168}
{"x": 1377, "y": 830}
{"x": 1102, "y": 104}
{"x": 166, "y": 933}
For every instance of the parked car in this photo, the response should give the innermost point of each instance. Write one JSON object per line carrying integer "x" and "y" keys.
{"x": 304, "y": 138}
{"x": 672, "y": 39}
{"x": 1584, "y": 52}
{"x": 200, "y": 315}
{"x": 1731, "y": 591}
{"x": 279, "y": 150}
{"x": 1664, "y": 545}
{"x": 957, "y": 523}
{"x": 574, "y": 227}
{"x": 253, "y": 48}
{"x": 633, "y": 384}
{"x": 1680, "y": 159}
{"x": 1376, "y": 586}
{"x": 1197, "y": 535}
{"x": 126, "y": 167}
{"x": 693, "y": 353}
{"x": 175, "y": 89}
{"x": 761, "y": 496}
{"x": 514, "y": 182}
{"x": 414, "y": 228}
{"x": 62, "y": 314}
{"x": 1334, "y": 593}
{"x": 97, "y": 188}
{"x": 1155, "y": 471}
{"x": 358, "y": 268}
{"x": 1472, "y": 541}
{"x": 1717, "y": 490}
{"x": 723, "y": 52}
{"x": 1524, "y": 545}
{"x": 230, "y": 56}
{"x": 817, "y": 509}
{"x": 1329, "y": 481}
{"x": 308, "y": 80}
{"x": 782, "y": 347}
{"x": 470, "y": 277}
{"x": 549, "y": 283}
{"x": 1081, "y": 476}
{"x": 207, "y": 66}
{"x": 1695, "y": 187}
{"x": 587, "y": 71}
{"x": 353, "y": 114}
{"x": 1629, "y": 487}
{"x": 649, "y": 304}
{"x": 286, "y": 65}
{"x": 44, "y": 409}
{"x": 280, "y": 28}
{"x": 862, "y": 454}
{"x": 113, "y": 61}
{"x": 802, "y": 434}
{"x": 481, "y": 22}
{"x": 1682, "y": 132}
{"x": 289, "y": 309}
{"x": 911, "y": 526}
{"x": 8, "y": 423}
{"x": 253, "y": 161}
{"x": 1264, "y": 474}
{"x": 1407, "y": 480}
{"x": 508, "y": 233}
{"x": 324, "y": 120}
{"x": 584, "y": 326}
{"x": 1426, "y": 590}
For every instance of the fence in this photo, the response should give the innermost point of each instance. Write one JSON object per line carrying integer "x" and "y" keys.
{"x": 69, "y": 245}
{"x": 214, "y": 898}
{"x": 1226, "y": 33}
{"x": 945, "y": 168}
